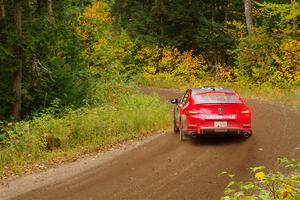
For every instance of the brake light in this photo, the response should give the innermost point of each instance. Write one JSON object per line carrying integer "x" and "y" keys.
{"x": 245, "y": 111}
{"x": 194, "y": 112}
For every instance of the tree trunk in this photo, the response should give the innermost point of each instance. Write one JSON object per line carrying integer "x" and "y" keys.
{"x": 2, "y": 10}
{"x": 17, "y": 74}
{"x": 295, "y": 21}
{"x": 41, "y": 6}
{"x": 226, "y": 14}
{"x": 248, "y": 16}
{"x": 212, "y": 11}
{"x": 50, "y": 9}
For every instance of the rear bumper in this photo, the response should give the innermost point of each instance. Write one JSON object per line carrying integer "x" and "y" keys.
{"x": 211, "y": 131}
{"x": 218, "y": 131}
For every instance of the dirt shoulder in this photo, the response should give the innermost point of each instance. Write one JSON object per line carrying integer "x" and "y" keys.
{"x": 18, "y": 186}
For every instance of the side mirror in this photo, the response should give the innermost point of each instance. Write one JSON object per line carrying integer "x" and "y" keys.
{"x": 174, "y": 101}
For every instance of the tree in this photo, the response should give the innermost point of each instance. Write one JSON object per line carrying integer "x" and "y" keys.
{"x": 50, "y": 9}
{"x": 295, "y": 21}
{"x": 2, "y": 10}
{"x": 40, "y": 60}
{"x": 195, "y": 24}
{"x": 17, "y": 74}
{"x": 248, "y": 16}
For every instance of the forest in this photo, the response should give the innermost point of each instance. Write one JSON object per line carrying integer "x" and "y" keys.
{"x": 64, "y": 51}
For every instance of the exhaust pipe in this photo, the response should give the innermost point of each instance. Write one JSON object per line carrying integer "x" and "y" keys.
{"x": 194, "y": 135}
{"x": 246, "y": 134}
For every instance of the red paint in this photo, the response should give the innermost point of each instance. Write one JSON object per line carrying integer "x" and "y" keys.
{"x": 201, "y": 110}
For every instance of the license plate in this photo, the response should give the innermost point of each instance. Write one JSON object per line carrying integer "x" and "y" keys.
{"x": 220, "y": 124}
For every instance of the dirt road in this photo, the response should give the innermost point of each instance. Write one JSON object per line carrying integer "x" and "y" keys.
{"x": 165, "y": 168}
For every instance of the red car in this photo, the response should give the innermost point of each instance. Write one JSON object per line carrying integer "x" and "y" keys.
{"x": 211, "y": 111}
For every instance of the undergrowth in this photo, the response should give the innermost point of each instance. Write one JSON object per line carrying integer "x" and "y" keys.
{"x": 49, "y": 136}
{"x": 266, "y": 184}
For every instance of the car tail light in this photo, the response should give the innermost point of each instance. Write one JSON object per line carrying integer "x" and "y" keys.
{"x": 194, "y": 112}
{"x": 245, "y": 111}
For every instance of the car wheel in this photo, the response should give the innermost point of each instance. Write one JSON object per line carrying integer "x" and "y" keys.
{"x": 182, "y": 136}
{"x": 176, "y": 129}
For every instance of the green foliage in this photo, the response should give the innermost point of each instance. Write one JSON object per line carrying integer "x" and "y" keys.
{"x": 175, "y": 23}
{"x": 252, "y": 65}
{"x": 277, "y": 18}
{"x": 186, "y": 25}
{"x": 217, "y": 31}
{"x": 262, "y": 59}
{"x": 109, "y": 51}
{"x": 68, "y": 55}
{"x": 155, "y": 60}
{"x": 52, "y": 63}
{"x": 272, "y": 53}
{"x": 131, "y": 117}
{"x": 265, "y": 186}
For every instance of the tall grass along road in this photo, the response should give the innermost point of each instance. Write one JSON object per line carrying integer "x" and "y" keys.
{"x": 48, "y": 139}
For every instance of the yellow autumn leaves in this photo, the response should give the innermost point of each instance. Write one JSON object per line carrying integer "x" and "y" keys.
{"x": 93, "y": 21}
{"x": 260, "y": 175}
{"x": 98, "y": 10}
{"x": 288, "y": 61}
{"x": 284, "y": 188}
{"x": 169, "y": 60}
{"x": 266, "y": 184}
{"x": 104, "y": 45}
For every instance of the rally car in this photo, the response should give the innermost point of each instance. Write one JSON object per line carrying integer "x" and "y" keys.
{"x": 211, "y": 111}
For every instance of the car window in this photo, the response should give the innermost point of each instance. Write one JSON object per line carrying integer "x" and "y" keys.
{"x": 216, "y": 98}
{"x": 184, "y": 97}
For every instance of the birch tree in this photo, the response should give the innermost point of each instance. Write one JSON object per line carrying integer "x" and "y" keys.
{"x": 295, "y": 21}
{"x": 248, "y": 16}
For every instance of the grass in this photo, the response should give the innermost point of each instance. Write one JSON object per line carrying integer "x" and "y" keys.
{"x": 82, "y": 130}
{"x": 264, "y": 92}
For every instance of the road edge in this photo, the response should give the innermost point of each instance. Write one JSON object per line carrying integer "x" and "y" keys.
{"x": 21, "y": 185}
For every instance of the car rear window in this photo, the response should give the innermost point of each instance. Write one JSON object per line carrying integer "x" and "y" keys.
{"x": 216, "y": 98}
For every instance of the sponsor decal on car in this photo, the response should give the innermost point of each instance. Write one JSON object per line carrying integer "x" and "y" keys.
{"x": 220, "y": 116}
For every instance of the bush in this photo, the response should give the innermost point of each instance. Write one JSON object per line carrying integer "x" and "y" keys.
{"x": 254, "y": 60}
{"x": 264, "y": 186}
{"x": 262, "y": 59}
{"x": 83, "y": 129}
{"x": 169, "y": 60}
{"x": 108, "y": 50}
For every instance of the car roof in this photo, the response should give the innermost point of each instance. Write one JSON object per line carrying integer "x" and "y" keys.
{"x": 205, "y": 89}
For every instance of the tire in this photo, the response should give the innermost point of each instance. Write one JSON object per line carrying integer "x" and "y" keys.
{"x": 175, "y": 127}
{"x": 182, "y": 136}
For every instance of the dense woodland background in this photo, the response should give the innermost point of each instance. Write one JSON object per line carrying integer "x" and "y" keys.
{"x": 83, "y": 52}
